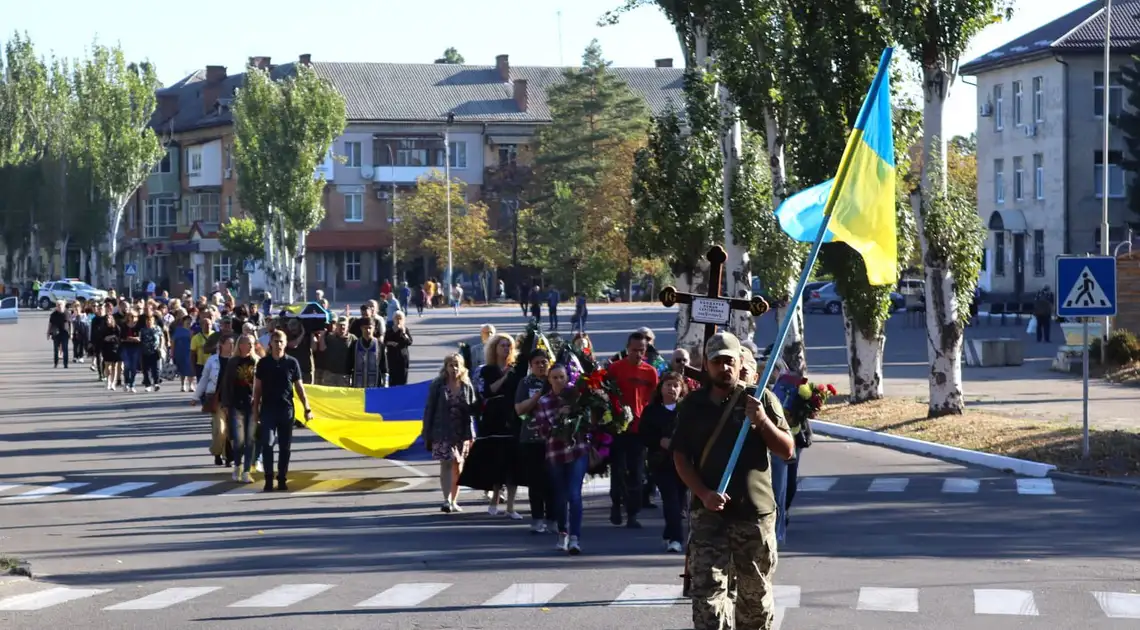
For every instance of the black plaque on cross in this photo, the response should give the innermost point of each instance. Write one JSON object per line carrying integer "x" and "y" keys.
{"x": 712, "y": 309}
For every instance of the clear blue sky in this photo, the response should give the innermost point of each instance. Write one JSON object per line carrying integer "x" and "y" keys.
{"x": 183, "y": 36}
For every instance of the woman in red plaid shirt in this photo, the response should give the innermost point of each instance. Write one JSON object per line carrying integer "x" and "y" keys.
{"x": 567, "y": 458}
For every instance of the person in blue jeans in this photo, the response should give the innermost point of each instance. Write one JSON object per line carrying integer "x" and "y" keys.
{"x": 657, "y": 424}
{"x": 567, "y": 458}
{"x": 236, "y": 387}
{"x": 276, "y": 378}
{"x": 130, "y": 334}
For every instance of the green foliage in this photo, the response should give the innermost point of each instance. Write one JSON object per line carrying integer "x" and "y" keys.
{"x": 1129, "y": 124}
{"x": 774, "y": 253}
{"x": 1123, "y": 347}
{"x": 451, "y": 56}
{"x": 935, "y": 33}
{"x": 243, "y": 238}
{"x": 422, "y": 225}
{"x": 677, "y": 183}
{"x": 22, "y": 90}
{"x": 955, "y": 237}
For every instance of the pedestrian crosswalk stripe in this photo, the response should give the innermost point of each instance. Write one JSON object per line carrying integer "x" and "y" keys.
{"x": 888, "y": 599}
{"x": 283, "y": 596}
{"x": 45, "y": 491}
{"x": 1119, "y": 605}
{"x": 182, "y": 490}
{"x": 249, "y": 488}
{"x": 649, "y": 595}
{"x": 526, "y": 595}
{"x": 48, "y": 598}
{"x": 787, "y": 596}
{"x": 405, "y": 595}
{"x": 888, "y": 484}
{"x": 817, "y": 484}
{"x": 118, "y": 490}
{"x": 165, "y": 598}
{"x": 955, "y": 485}
{"x": 998, "y": 601}
{"x": 1035, "y": 486}
{"x": 331, "y": 485}
{"x": 4, "y": 487}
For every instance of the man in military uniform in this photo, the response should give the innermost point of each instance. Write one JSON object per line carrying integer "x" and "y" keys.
{"x": 732, "y": 538}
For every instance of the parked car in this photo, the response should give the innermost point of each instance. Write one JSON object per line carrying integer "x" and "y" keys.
{"x": 68, "y": 291}
{"x": 825, "y": 299}
{"x": 10, "y": 310}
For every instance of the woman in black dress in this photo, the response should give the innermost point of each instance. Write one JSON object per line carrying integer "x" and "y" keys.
{"x": 491, "y": 464}
{"x": 397, "y": 339}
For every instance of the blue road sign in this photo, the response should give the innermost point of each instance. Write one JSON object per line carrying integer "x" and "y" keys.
{"x": 1086, "y": 286}
{"x": 131, "y": 270}
{"x": 250, "y": 266}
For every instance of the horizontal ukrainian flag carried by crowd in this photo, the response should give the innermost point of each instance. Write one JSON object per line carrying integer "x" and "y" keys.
{"x": 375, "y": 422}
{"x": 862, "y": 206}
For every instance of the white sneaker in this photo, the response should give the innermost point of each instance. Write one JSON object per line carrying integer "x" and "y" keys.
{"x": 237, "y": 472}
{"x": 455, "y": 507}
{"x": 563, "y": 542}
{"x": 574, "y": 547}
{"x": 538, "y": 527}
{"x": 257, "y": 466}
{"x": 674, "y": 546}
{"x": 148, "y": 388}
{"x": 246, "y": 478}
{"x": 494, "y": 510}
{"x": 132, "y": 389}
{"x": 514, "y": 516}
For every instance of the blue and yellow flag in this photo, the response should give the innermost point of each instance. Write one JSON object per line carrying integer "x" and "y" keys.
{"x": 376, "y": 422}
{"x": 862, "y": 207}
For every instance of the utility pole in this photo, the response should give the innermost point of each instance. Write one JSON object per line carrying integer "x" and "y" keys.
{"x": 392, "y": 219}
{"x": 447, "y": 176}
{"x": 1104, "y": 249}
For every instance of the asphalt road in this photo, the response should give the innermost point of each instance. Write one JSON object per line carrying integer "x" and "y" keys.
{"x": 879, "y": 540}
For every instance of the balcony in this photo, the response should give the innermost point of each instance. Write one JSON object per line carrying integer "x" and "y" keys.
{"x": 402, "y": 174}
{"x": 509, "y": 178}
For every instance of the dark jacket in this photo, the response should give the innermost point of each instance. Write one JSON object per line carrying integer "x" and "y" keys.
{"x": 657, "y": 422}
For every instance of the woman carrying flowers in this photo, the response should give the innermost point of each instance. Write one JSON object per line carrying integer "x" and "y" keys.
{"x": 801, "y": 400}
{"x": 566, "y": 431}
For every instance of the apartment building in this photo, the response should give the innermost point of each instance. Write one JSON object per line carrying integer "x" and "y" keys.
{"x": 397, "y": 121}
{"x": 1041, "y": 116}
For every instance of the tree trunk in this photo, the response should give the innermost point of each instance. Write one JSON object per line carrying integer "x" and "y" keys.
{"x": 83, "y": 275}
{"x": 865, "y": 361}
{"x": 63, "y": 243}
{"x": 115, "y": 216}
{"x": 93, "y": 264}
{"x": 300, "y": 278}
{"x": 794, "y": 352}
{"x": 691, "y": 335}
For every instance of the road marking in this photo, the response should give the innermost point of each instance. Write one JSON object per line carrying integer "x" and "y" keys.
{"x": 787, "y": 596}
{"x": 955, "y": 485}
{"x": 248, "y": 488}
{"x": 283, "y": 596}
{"x": 888, "y": 599}
{"x": 328, "y": 486}
{"x": 114, "y": 491}
{"x": 4, "y": 487}
{"x": 412, "y": 469}
{"x": 51, "y": 597}
{"x": 649, "y": 596}
{"x": 1000, "y": 601}
{"x": 1035, "y": 486}
{"x": 46, "y": 491}
{"x": 817, "y": 484}
{"x": 405, "y": 595}
{"x": 165, "y": 599}
{"x": 183, "y": 489}
{"x": 888, "y": 484}
{"x": 1119, "y": 605}
{"x": 526, "y": 595}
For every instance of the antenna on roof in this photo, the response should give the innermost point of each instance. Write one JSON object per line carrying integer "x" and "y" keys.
{"x": 560, "y": 62}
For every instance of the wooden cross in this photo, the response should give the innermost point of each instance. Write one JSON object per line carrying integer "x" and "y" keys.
{"x": 712, "y": 309}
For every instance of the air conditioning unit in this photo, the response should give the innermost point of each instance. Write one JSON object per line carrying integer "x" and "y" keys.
{"x": 986, "y": 110}
{"x": 366, "y": 172}
{"x": 382, "y": 195}
{"x": 229, "y": 173}
{"x": 1030, "y": 131}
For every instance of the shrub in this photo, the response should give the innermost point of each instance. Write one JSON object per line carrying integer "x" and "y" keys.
{"x": 1123, "y": 347}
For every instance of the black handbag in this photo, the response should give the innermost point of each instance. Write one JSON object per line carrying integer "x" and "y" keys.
{"x": 804, "y": 437}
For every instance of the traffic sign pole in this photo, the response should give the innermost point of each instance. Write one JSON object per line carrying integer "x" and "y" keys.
{"x": 1085, "y": 394}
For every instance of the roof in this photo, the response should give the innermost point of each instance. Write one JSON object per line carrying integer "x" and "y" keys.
{"x": 1081, "y": 30}
{"x": 408, "y": 92}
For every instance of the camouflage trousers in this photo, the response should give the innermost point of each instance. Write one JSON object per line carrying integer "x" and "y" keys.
{"x": 731, "y": 563}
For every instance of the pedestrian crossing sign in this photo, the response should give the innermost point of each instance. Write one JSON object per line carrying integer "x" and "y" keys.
{"x": 1086, "y": 286}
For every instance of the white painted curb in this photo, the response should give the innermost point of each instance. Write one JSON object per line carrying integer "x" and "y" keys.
{"x": 999, "y": 462}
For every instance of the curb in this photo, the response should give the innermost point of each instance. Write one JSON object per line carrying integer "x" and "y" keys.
{"x": 999, "y": 462}
{"x": 1098, "y": 481}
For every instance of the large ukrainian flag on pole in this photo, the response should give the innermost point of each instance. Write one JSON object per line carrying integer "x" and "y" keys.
{"x": 859, "y": 204}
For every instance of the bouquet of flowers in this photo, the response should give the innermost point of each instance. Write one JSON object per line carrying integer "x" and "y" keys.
{"x": 809, "y": 399}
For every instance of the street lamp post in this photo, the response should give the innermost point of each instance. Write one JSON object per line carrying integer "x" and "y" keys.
{"x": 395, "y": 261}
{"x": 1104, "y": 250}
{"x": 447, "y": 176}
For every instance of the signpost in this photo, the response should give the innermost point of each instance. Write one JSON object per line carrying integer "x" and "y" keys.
{"x": 1086, "y": 287}
{"x": 130, "y": 270}
{"x": 712, "y": 309}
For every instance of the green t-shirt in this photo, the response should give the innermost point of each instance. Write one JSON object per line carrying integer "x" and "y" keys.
{"x": 750, "y": 488}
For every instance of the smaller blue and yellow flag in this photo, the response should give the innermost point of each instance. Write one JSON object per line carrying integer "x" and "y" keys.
{"x": 375, "y": 422}
{"x": 860, "y": 211}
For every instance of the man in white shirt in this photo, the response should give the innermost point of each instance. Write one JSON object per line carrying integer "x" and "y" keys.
{"x": 456, "y": 297}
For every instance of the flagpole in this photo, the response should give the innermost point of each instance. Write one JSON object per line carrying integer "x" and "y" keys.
{"x": 813, "y": 255}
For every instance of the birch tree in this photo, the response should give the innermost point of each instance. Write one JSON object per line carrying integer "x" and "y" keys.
{"x": 114, "y": 104}
{"x": 282, "y": 131}
{"x": 935, "y": 33}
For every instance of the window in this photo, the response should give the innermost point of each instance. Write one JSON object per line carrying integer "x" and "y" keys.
{"x": 222, "y": 268}
{"x": 1038, "y": 99}
{"x": 999, "y": 181}
{"x": 508, "y": 154}
{"x": 999, "y": 108}
{"x": 412, "y": 153}
{"x": 352, "y": 154}
{"x": 353, "y": 207}
{"x": 196, "y": 162}
{"x": 1115, "y": 174}
{"x": 1039, "y": 253}
{"x": 1116, "y": 94}
{"x": 1017, "y": 103}
{"x": 1018, "y": 179}
{"x": 1038, "y": 176}
{"x": 229, "y": 206}
{"x": 352, "y": 266}
{"x": 160, "y": 218}
{"x": 163, "y": 165}
{"x": 999, "y": 253}
{"x": 319, "y": 267}
{"x": 985, "y": 258}
{"x": 203, "y": 207}
{"x": 458, "y": 155}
